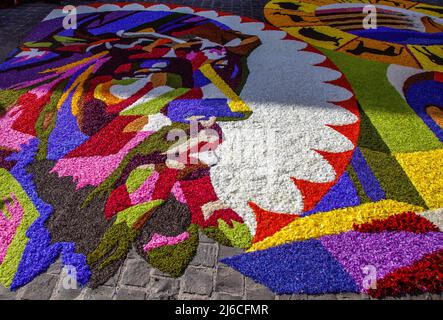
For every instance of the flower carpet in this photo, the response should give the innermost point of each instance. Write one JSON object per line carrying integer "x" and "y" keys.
{"x": 311, "y": 143}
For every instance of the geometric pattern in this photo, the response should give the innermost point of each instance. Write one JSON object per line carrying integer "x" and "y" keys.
{"x": 372, "y": 225}
{"x": 319, "y": 154}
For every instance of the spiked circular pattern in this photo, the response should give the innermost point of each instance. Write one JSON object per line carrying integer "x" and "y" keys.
{"x": 89, "y": 130}
{"x": 401, "y": 32}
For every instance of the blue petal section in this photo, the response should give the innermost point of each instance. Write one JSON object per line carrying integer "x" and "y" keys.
{"x": 342, "y": 194}
{"x": 200, "y": 80}
{"x": 402, "y": 36}
{"x": 129, "y": 22}
{"x": 367, "y": 179}
{"x": 299, "y": 267}
{"x": 39, "y": 252}
{"x": 180, "y": 110}
{"x": 422, "y": 94}
{"x": 66, "y": 135}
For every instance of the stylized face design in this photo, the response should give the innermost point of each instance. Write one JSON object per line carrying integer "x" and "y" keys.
{"x": 91, "y": 114}
{"x": 101, "y": 101}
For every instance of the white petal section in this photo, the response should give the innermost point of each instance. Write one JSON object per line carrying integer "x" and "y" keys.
{"x": 289, "y": 100}
{"x": 397, "y": 75}
{"x": 156, "y": 122}
{"x": 435, "y": 216}
{"x": 128, "y": 90}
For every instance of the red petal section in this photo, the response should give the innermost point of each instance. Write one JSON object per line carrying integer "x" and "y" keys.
{"x": 31, "y": 107}
{"x": 109, "y": 140}
{"x": 425, "y": 275}
{"x": 269, "y": 222}
{"x": 118, "y": 200}
{"x": 408, "y": 221}
{"x": 199, "y": 192}
{"x": 312, "y": 192}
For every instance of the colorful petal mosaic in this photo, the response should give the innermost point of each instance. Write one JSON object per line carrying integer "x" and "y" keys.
{"x": 326, "y": 167}
{"x": 372, "y": 232}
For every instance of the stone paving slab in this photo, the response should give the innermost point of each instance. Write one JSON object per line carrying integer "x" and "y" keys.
{"x": 136, "y": 281}
{"x": 205, "y": 278}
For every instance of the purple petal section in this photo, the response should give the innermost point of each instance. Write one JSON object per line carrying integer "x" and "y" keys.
{"x": 386, "y": 251}
{"x": 299, "y": 267}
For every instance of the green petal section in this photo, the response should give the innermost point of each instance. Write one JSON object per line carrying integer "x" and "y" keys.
{"x": 114, "y": 246}
{"x": 388, "y": 112}
{"x": 132, "y": 214}
{"x": 238, "y": 234}
{"x": 38, "y": 44}
{"x": 8, "y": 98}
{"x": 174, "y": 259}
{"x": 392, "y": 178}
{"x": 46, "y": 121}
{"x": 357, "y": 184}
{"x": 217, "y": 235}
{"x": 155, "y": 105}
{"x": 10, "y": 263}
{"x": 67, "y": 39}
{"x": 137, "y": 177}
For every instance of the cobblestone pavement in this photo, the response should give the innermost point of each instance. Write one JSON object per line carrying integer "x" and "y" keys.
{"x": 205, "y": 278}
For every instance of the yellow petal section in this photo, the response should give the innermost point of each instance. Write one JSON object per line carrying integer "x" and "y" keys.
{"x": 425, "y": 170}
{"x": 236, "y": 104}
{"x": 334, "y": 222}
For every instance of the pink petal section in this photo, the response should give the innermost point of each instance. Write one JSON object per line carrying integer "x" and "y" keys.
{"x": 178, "y": 192}
{"x": 94, "y": 170}
{"x": 8, "y": 227}
{"x": 159, "y": 240}
{"x": 9, "y": 137}
{"x": 145, "y": 191}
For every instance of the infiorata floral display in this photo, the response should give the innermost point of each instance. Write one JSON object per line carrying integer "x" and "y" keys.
{"x": 147, "y": 124}
{"x": 378, "y": 229}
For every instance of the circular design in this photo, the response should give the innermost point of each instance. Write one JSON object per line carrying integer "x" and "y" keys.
{"x": 399, "y": 32}
{"x": 102, "y": 110}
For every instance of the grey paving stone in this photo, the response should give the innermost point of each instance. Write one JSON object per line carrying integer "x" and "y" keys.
{"x": 134, "y": 255}
{"x": 159, "y": 286}
{"x": 198, "y": 281}
{"x": 351, "y": 296}
{"x": 322, "y": 297}
{"x": 204, "y": 239}
{"x": 162, "y": 296}
{"x": 298, "y": 297}
{"x": 6, "y": 294}
{"x": 66, "y": 289}
{"x": 224, "y": 251}
{"x": 158, "y": 273}
{"x": 255, "y": 291}
{"x": 135, "y": 273}
{"x": 283, "y": 297}
{"x": 40, "y": 288}
{"x": 206, "y": 255}
{"x": 55, "y": 268}
{"x": 225, "y": 296}
{"x": 112, "y": 282}
{"x": 228, "y": 280}
{"x": 130, "y": 294}
{"x": 187, "y": 296}
{"x": 100, "y": 293}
